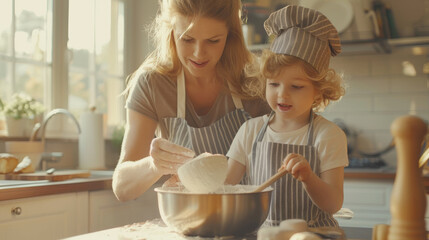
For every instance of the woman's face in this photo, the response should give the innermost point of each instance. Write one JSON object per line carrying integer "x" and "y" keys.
{"x": 291, "y": 94}
{"x": 200, "y": 47}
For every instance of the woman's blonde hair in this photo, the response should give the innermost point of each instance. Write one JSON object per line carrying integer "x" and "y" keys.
{"x": 328, "y": 84}
{"x": 234, "y": 66}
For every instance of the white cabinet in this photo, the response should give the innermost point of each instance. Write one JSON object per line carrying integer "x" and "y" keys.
{"x": 105, "y": 211}
{"x": 369, "y": 200}
{"x": 46, "y": 217}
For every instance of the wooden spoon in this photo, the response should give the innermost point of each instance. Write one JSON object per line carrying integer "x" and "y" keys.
{"x": 272, "y": 179}
{"x": 424, "y": 158}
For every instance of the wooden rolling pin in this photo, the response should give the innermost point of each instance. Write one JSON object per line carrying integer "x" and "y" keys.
{"x": 408, "y": 200}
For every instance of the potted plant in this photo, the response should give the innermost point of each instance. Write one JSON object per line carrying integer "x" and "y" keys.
{"x": 21, "y": 113}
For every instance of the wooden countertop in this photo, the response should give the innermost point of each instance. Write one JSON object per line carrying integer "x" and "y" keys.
{"x": 379, "y": 175}
{"x": 40, "y": 188}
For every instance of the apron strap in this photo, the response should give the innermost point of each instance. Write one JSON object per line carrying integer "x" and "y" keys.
{"x": 261, "y": 132}
{"x": 181, "y": 95}
{"x": 310, "y": 129}
{"x": 237, "y": 101}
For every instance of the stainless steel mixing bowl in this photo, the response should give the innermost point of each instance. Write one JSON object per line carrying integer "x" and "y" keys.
{"x": 210, "y": 215}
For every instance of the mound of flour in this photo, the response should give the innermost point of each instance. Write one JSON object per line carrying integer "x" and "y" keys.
{"x": 204, "y": 174}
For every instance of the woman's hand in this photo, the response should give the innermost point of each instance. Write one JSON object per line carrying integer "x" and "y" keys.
{"x": 298, "y": 166}
{"x": 168, "y": 157}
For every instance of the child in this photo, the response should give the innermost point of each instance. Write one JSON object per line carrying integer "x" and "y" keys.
{"x": 311, "y": 148}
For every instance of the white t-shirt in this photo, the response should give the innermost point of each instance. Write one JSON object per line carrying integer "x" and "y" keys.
{"x": 329, "y": 140}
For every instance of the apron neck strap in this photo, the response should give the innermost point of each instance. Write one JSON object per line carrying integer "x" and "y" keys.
{"x": 264, "y": 127}
{"x": 310, "y": 129}
{"x": 237, "y": 101}
{"x": 181, "y": 96}
{"x": 261, "y": 133}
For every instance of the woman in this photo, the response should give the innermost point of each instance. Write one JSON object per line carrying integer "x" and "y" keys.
{"x": 188, "y": 92}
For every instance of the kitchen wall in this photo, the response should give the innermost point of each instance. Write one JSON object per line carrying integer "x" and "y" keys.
{"x": 377, "y": 93}
{"x": 377, "y": 90}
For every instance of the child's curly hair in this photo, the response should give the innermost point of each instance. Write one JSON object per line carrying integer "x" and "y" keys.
{"x": 329, "y": 84}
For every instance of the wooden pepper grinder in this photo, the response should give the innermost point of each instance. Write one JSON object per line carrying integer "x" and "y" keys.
{"x": 408, "y": 200}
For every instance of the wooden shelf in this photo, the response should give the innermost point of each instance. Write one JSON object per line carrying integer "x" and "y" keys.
{"x": 380, "y": 46}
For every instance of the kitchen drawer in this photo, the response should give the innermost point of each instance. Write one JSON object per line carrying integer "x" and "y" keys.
{"x": 47, "y": 217}
{"x": 366, "y": 195}
{"x": 105, "y": 211}
{"x": 369, "y": 200}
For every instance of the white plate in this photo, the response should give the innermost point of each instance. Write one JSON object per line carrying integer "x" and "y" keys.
{"x": 339, "y": 12}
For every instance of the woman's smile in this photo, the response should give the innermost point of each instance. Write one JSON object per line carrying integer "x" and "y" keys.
{"x": 200, "y": 44}
{"x": 199, "y": 64}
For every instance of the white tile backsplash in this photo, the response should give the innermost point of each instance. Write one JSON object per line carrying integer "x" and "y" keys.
{"x": 352, "y": 65}
{"x": 352, "y": 104}
{"x": 377, "y": 93}
{"x": 372, "y": 85}
{"x": 418, "y": 84}
{"x": 400, "y": 102}
{"x": 379, "y": 66}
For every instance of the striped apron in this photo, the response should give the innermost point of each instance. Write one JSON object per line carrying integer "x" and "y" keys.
{"x": 289, "y": 199}
{"x": 215, "y": 138}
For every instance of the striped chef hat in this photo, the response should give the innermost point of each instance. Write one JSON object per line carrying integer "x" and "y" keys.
{"x": 304, "y": 33}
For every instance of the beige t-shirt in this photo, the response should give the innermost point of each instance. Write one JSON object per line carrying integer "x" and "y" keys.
{"x": 155, "y": 96}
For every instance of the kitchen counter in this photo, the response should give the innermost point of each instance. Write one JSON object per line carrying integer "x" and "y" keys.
{"x": 156, "y": 229}
{"x": 14, "y": 189}
{"x": 101, "y": 180}
{"x": 386, "y": 173}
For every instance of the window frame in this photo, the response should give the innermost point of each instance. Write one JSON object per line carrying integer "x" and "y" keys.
{"x": 56, "y": 88}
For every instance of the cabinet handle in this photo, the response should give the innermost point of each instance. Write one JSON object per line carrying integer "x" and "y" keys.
{"x": 16, "y": 211}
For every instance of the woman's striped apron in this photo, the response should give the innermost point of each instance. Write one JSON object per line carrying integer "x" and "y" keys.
{"x": 215, "y": 138}
{"x": 289, "y": 199}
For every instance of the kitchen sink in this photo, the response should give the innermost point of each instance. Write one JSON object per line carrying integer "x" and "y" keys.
{"x": 101, "y": 174}
{"x": 11, "y": 183}
{"x": 97, "y": 174}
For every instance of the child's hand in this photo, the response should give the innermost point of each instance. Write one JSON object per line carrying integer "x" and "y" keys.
{"x": 298, "y": 166}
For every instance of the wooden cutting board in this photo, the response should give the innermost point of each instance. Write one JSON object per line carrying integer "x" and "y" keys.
{"x": 59, "y": 175}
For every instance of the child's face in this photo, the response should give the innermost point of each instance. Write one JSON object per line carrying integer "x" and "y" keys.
{"x": 200, "y": 47}
{"x": 291, "y": 94}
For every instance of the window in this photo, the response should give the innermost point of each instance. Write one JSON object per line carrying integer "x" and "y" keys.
{"x": 25, "y": 54}
{"x": 96, "y": 48}
{"x": 66, "y": 54}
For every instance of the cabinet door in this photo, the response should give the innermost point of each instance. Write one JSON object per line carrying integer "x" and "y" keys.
{"x": 369, "y": 200}
{"x": 46, "y": 217}
{"x": 105, "y": 211}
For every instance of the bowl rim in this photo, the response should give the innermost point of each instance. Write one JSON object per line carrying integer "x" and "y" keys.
{"x": 180, "y": 191}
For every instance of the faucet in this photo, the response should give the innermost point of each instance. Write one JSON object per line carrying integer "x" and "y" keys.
{"x": 54, "y": 157}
